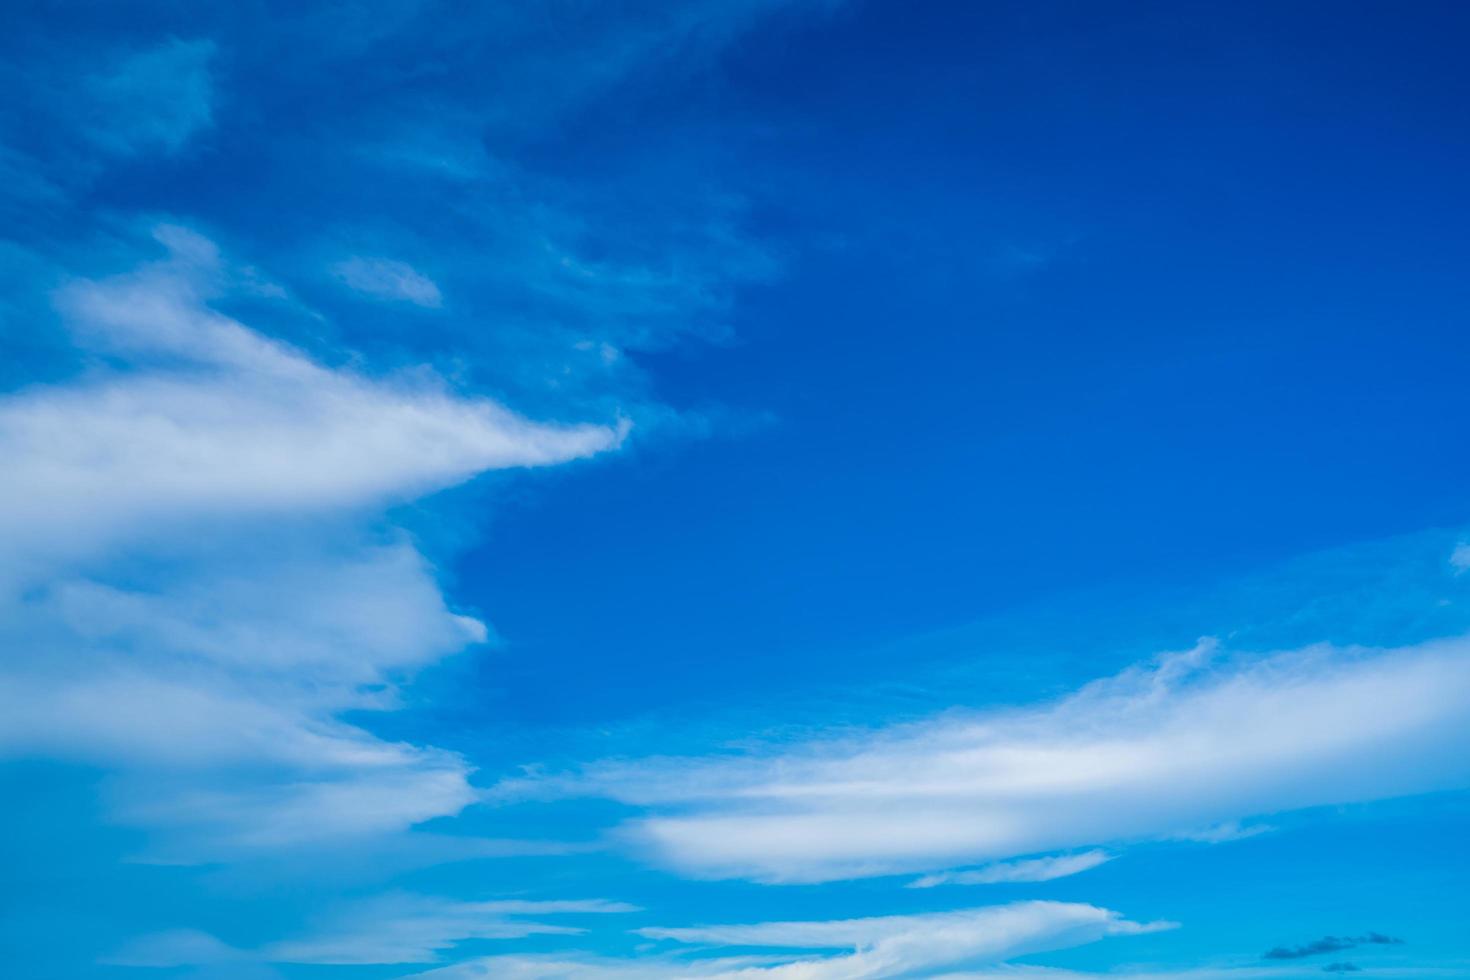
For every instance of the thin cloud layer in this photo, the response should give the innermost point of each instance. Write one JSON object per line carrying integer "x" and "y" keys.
{"x": 1009, "y": 872}
{"x": 756, "y": 967}
{"x": 388, "y": 279}
{"x": 417, "y": 929}
{"x": 1189, "y": 741}
{"x": 885, "y": 946}
{"x": 389, "y": 929}
{"x": 1460, "y": 557}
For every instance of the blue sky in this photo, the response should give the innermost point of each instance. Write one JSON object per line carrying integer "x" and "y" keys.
{"x": 791, "y": 489}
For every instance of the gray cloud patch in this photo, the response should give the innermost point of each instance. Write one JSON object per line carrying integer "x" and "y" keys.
{"x": 1331, "y": 944}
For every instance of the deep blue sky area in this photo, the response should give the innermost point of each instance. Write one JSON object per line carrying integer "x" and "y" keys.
{"x": 1186, "y": 301}
{"x": 807, "y": 489}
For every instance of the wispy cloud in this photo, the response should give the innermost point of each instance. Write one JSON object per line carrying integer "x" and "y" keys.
{"x": 885, "y": 946}
{"x": 1460, "y": 557}
{"x": 618, "y": 259}
{"x": 1222, "y": 833}
{"x": 1189, "y": 740}
{"x": 1031, "y": 870}
{"x": 530, "y": 967}
{"x": 198, "y": 580}
{"x": 389, "y": 279}
{"x": 417, "y": 928}
{"x": 389, "y": 929}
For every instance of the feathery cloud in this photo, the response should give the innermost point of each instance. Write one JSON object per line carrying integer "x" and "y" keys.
{"x": 885, "y": 946}
{"x": 416, "y": 928}
{"x": 1460, "y": 557}
{"x": 388, "y": 279}
{"x": 1187, "y": 741}
{"x": 1030, "y": 870}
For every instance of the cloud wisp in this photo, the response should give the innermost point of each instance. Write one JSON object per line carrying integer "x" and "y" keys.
{"x": 1192, "y": 740}
{"x": 389, "y": 929}
{"x": 883, "y": 946}
{"x": 1460, "y": 557}
{"x": 389, "y": 279}
{"x": 1011, "y": 872}
{"x": 417, "y": 929}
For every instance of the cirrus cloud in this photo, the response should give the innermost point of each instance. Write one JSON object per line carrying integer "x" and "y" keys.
{"x": 881, "y": 946}
{"x": 1192, "y": 740}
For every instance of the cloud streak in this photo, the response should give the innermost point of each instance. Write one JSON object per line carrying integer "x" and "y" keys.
{"x": 389, "y": 279}
{"x": 416, "y": 928}
{"x": 884, "y": 946}
{"x": 1010, "y": 872}
{"x": 1189, "y": 741}
{"x": 390, "y": 929}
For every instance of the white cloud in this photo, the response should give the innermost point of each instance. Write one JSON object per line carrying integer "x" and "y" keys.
{"x": 417, "y": 928}
{"x": 1460, "y": 557}
{"x": 198, "y": 579}
{"x": 389, "y": 279}
{"x": 388, "y": 929}
{"x": 220, "y": 421}
{"x": 885, "y": 946}
{"x": 1186, "y": 742}
{"x": 1031, "y": 870}
{"x": 211, "y": 815}
{"x": 1222, "y": 833}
